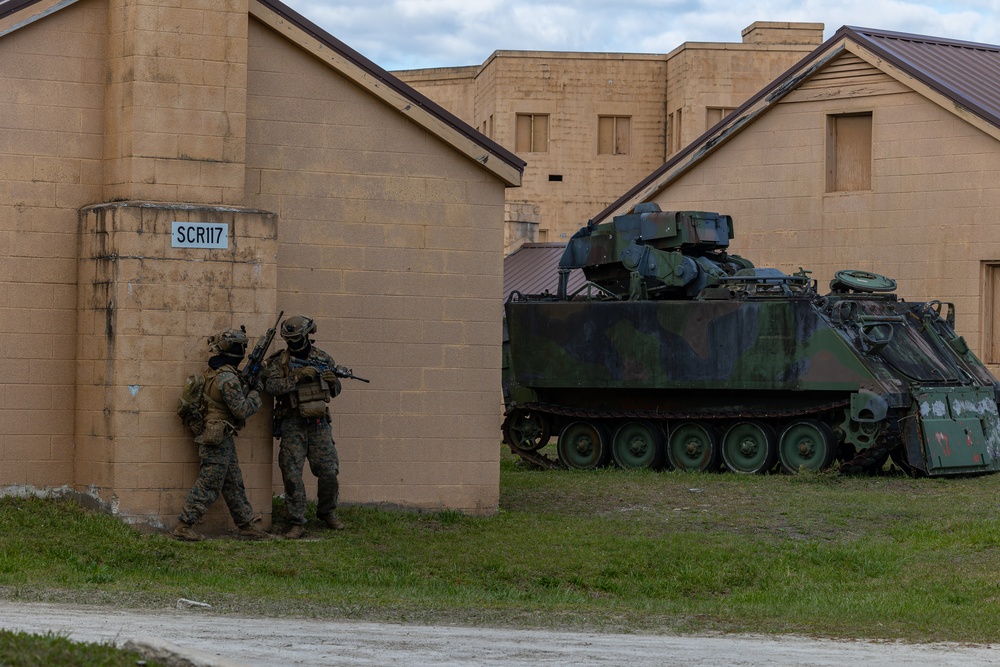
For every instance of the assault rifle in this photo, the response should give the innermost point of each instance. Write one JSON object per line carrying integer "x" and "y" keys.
{"x": 255, "y": 362}
{"x": 339, "y": 371}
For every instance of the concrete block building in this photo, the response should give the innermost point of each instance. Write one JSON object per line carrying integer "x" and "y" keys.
{"x": 592, "y": 124}
{"x": 879, "y": 151}
{"x": 342, "y": 193}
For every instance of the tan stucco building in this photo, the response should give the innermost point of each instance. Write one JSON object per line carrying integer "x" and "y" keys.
{"x": 342, "y": 193}
{"x": 880, "y": 151}
{"x": 592, "y": 124}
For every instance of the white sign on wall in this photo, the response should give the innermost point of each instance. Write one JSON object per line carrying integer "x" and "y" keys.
{"x": 199, "y": 235}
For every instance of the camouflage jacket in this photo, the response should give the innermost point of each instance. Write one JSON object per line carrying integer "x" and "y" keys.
{"x": 279, "y": 380}
{"x": 227, "y": 401}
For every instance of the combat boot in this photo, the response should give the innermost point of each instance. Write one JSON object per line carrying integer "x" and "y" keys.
{"x": 332, "y": 520}
{"x": 295, "y": 532}
{"x": 248, "y": 531}
{"x": 185, "y": 533}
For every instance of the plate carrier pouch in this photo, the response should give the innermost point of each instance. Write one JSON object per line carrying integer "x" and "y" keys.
{"x": 309, "y": 398}
{"x": 195, "y": 403}
{"x": 312, "y": 398}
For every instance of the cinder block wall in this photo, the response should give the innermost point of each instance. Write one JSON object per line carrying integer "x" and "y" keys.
{"x": 454, "y": 88}
{"x": 51, "y": 134}
{"x": 388, "y": 236}
{"x": 928, "y": 221}
{"x": 391, "y": 242}
{"x": 176, "y": 107}
{"x": 701, "y": 75}
{"x": 575, "y": 89}
{"x": 146, "y": 311}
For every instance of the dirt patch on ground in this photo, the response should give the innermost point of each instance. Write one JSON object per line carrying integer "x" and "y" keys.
{"x": 266, "y": 642}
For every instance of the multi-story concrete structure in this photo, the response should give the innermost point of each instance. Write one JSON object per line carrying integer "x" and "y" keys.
{"x": 881, "y": 152}
{"x": 591, "y": 124}
{"x": 343, "y": 194}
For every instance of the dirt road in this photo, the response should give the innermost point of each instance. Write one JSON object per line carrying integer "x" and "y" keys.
{"x": 259, "y": 642}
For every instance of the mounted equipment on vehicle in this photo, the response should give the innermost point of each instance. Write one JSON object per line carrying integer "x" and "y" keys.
{"x": 678, "y": 354}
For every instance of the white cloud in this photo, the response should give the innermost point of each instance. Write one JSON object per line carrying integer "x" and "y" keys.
{"x": 403, "y": 34}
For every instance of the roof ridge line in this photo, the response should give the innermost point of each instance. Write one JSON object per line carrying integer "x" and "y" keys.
{"x": 925, "y": 39}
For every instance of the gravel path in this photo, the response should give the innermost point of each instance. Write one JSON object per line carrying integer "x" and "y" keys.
{"x": 262, "y": 642}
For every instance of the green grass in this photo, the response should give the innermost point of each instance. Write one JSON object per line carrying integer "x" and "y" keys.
{"x": 873, "y": 557}
{"x": 20, "y": 649}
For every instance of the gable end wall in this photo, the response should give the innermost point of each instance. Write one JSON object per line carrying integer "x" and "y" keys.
{"x": 928, "y": 221}
{"x": 390, "y": 240}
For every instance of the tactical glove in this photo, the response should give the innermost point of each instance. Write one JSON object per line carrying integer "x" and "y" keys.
{"x": 329, "y": 376}
{"x": 305, "y": 374}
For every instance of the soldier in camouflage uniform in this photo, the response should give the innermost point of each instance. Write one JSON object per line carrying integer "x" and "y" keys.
{"x": 302, "y": 380}
{"x": 229, "y": 406}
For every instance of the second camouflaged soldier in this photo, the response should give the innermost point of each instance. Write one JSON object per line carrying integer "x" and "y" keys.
{"x": 229, "y": 406}
{"x": 302, "y": 380}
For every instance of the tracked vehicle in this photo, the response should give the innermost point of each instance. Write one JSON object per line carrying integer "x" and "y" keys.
{"x": 677, "y": 354}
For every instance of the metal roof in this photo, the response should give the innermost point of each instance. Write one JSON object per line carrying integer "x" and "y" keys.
{"x": 8, "y": 7}
{"x": 533, "y": 269}
{"x": 967, "y": 73}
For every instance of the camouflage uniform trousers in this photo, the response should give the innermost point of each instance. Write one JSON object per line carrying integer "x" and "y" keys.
{"x": 313, "y": 439}
{"x": 219, "y": 473}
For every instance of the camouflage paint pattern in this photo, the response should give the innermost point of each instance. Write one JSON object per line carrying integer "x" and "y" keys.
{"x": 219, "y": 473}
{"x": 311, "y": 439}
{"x": 676, "y": 330}
{"x": 219, "y": 470}
{"x": 679, "y": 344}
{"x": 302, "y": 439}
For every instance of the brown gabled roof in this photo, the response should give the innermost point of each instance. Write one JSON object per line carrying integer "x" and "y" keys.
{"x": 11, "y": 6}
{"x": 966, "y": 73}
{"x": 534, "y": 268}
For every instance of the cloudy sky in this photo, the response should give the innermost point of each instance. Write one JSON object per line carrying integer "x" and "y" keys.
{"x": 408, "y": 34}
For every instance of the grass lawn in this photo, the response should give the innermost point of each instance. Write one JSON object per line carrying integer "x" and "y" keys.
{"x": 20, "y": 649}
{"x": 608, "y": 550}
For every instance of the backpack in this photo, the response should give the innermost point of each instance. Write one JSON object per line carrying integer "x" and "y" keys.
{"x": 193, "y": 405}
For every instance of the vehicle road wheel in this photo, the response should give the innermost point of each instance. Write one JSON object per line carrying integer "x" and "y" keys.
{"x": 582, "y": 445}
{"x": 806, "y": 445}
{"x": 528, "y": 431}
{"x": 693, "y": 446}
{"x": 638, "y": 444}
{"x": 750, "y": 447}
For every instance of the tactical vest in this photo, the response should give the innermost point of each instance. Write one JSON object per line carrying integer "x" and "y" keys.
{"x": 218, "y": 410}
{"x": 309, "y": 398}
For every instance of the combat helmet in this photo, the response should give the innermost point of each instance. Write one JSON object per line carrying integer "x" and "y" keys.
{"x": 295, "y": 331}
{"x": 231, "y": 342}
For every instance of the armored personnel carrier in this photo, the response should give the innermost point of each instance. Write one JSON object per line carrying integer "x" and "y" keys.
{"x": 677, "y": 354}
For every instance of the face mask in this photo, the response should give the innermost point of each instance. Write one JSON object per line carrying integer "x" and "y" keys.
{"x": 235, "y": 352}
{"x": 299, "y": 344}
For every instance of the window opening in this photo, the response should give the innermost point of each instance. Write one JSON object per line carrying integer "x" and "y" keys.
{"x": 613, "y": 135}
{"x": 849, "y": 152}
{"x": 531, "y": 133}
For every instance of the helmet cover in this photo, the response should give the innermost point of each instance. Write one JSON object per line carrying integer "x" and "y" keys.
{"x": 296, "y": 328}
{"x": 231, "y": 341}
